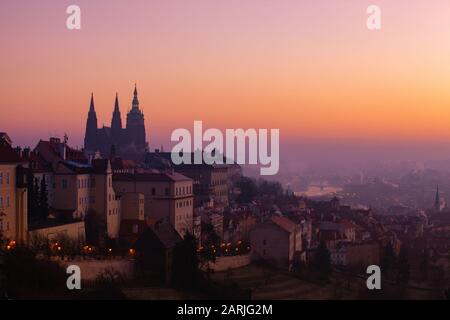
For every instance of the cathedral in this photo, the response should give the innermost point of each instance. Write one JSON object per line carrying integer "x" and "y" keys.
{"x": 128, "y": 142}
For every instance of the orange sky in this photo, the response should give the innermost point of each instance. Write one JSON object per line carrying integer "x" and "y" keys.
{"x": 310, "y": 68}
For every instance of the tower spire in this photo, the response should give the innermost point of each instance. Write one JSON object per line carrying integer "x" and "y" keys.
{"x": 135, "y": 104}
{"x": 90, "y": 137}
{"x": 437, "y": 200}
{"x": 116, "y": 104}
{"x": 91, "y": 107}
{"x": 116, "y": 122}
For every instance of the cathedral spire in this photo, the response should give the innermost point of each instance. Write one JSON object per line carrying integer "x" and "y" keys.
{"x": 116, "y": 104}
{"x": 91, "y": 127}
{"x": 116, "y": 122}
{"x": 91, "y": 107}
{"x": 437, "y": 200}
{"x": 135, "y": 104}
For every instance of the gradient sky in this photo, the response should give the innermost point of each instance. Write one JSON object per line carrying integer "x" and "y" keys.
{"x": 310, "y": 68}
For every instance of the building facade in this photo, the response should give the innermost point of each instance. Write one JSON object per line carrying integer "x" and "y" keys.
{"x": 167, "y": 196}
{"x": 85, "y": 189}
{"x": 13, "y": 194}
{"x": 276, "y": 241}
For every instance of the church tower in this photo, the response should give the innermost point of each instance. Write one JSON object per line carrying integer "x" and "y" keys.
{"x": 116, "y": 125}
{"x": 90, "y": 137}
{"x": 135, "y": 125}
{"x": 437, "y": 200}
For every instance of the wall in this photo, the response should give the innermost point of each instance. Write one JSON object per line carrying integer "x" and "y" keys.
{"x": 74, "y": 230}
{"x": 232, "y": 262}
{"x": 90, "y": 269}
{"x": 132, "y": 206}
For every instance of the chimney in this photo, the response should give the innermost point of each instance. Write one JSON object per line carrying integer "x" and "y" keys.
{"x": 54, "y": 140}
{"x": 18, "y": 151}
{"x": 26, "y": 152}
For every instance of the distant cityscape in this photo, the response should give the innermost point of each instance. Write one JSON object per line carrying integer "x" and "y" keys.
{"x": 141, "y": 227}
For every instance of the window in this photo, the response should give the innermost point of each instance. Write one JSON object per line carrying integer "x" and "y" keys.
{"x": 93, "y": 183}
{"x": 135, "y": 228}
{"x": 1, "y": 202}
{"x": 1, "y": 178}
{"x": 167, "y": 191}
{"x": 64, "y": 184}
{"x": 7, "y": 201}
{"x": 7, "y": 178}
{"x": 153, "y": 191}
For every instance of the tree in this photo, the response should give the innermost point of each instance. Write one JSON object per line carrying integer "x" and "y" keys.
{"x": 388, "y": 260}
{"x": 32, "y": 197}
{"x": 424, "y": 266}
{"x": 270, "y": 188}
{"x": 43, "y": 200}
{"x": 322, "y": 260}
{"x": 248, "y": 190}
{"x": 185, "y": 263}
{"x": 403, "y": 271}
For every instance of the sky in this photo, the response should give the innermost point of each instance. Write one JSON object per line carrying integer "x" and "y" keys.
{"x": 310, "y": 68}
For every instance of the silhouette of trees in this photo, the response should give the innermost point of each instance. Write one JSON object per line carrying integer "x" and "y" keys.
{"x": 43, "y": 200}
{"x": 33, "y": 202}
{"x": 248, "y": 190}
{"x": 185, "y": 263}
{"x": 388, "y": 260}
{"x": 38, "y": 206}
{"x": 424, "y": 261}
{"x": 403, "y": 271}
{"x": 322, "y": 260}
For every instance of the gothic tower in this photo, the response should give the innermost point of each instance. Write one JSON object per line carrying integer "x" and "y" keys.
{"x": 135, "y": 125}
{"x": 437, "y": 200}
{"x": 90, "y": 136}
{"x": 116, "y": 125}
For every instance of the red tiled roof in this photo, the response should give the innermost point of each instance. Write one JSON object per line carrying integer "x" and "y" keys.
{"x": 8, "y": 154}
{"x": 347, "y": 224}
{"x": 175, "y": 176}
{"x": 284, "y": 223}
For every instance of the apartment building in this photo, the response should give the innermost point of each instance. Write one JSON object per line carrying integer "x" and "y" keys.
{"x": 13, "y": 193}
{"x": 167, "y": 196}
